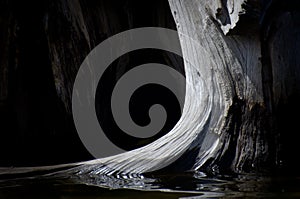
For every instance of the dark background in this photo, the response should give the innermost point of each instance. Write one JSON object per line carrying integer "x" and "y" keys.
{"x": 42, "y": 45}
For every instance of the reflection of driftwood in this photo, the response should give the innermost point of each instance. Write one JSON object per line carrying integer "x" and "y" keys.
{"x": 246, "y": 53}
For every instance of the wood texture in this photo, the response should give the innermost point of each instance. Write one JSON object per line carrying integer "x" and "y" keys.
{"x": 242, "y": 70}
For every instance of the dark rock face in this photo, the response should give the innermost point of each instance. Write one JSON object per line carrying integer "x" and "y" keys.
{"x": 281, "y": 50}
{"x": 43, "y": 43}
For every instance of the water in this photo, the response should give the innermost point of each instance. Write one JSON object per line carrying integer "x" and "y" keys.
{"x": 185, "y": 185}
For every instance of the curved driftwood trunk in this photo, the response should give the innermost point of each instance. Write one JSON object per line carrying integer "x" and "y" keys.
{"x": 236, "y": 73}
{"x": 241, "y": 61}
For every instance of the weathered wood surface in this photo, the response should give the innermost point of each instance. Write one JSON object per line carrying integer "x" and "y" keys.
{"x": 255, "y": 73}
{"x": 247, "y": 54}
{"x": 236, "y": 77}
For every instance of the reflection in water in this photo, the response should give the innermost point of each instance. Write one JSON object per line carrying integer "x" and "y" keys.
{"x": 184, "y": 185}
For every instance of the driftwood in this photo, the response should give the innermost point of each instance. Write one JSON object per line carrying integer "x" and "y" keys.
{"x": 242, "y": 85}
{"x": 255, "y": 71}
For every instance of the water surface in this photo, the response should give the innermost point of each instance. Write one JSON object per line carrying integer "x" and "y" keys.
{"x": 185, "y": 185}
